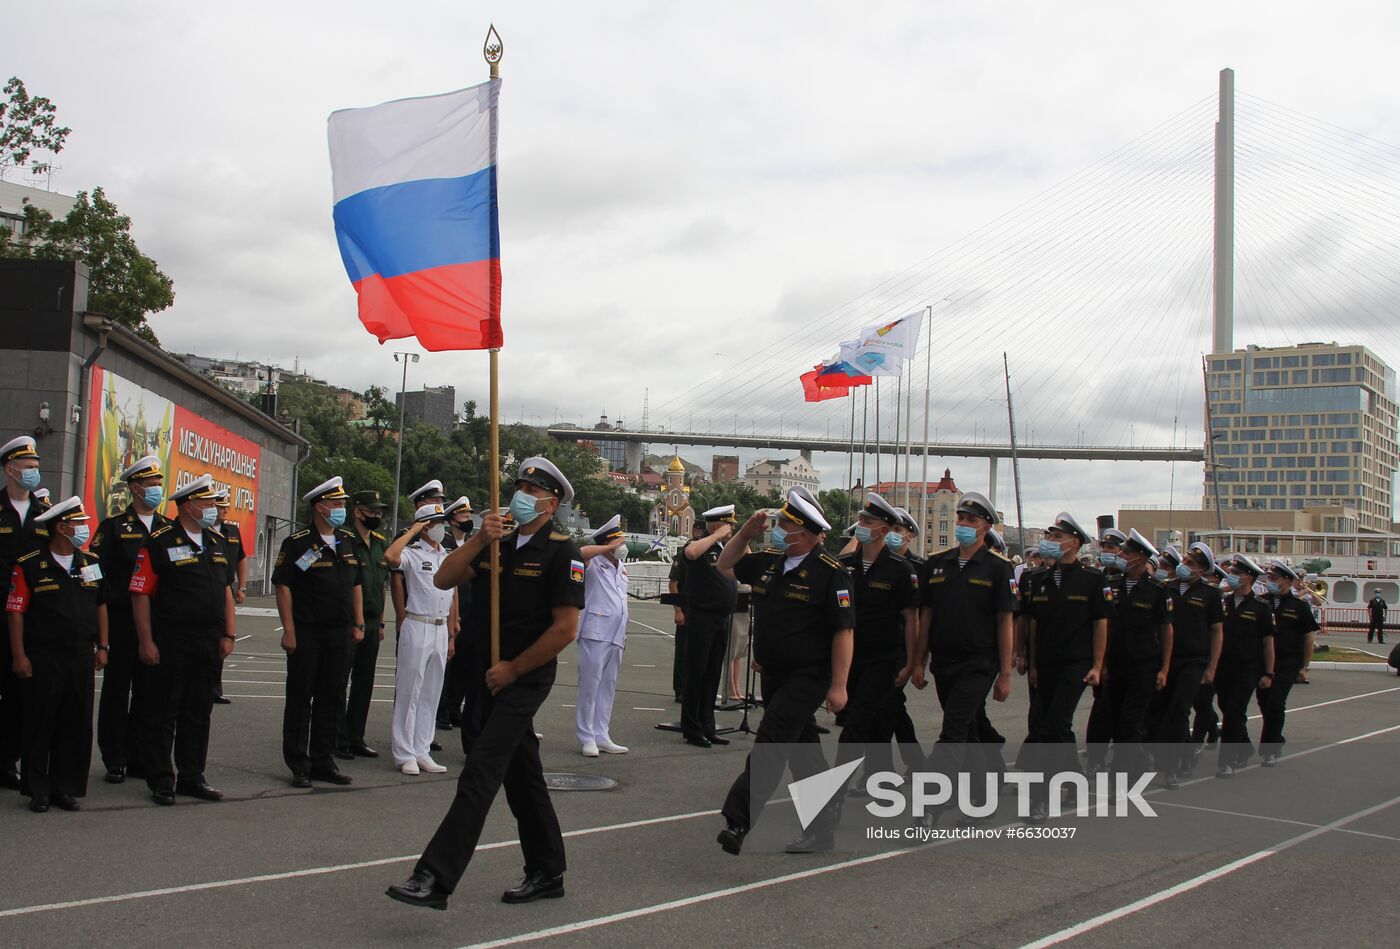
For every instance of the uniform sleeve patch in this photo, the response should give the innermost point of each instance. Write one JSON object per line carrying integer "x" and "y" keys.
{"x": 576, "y": 571}
{"x": 843, "y": 598}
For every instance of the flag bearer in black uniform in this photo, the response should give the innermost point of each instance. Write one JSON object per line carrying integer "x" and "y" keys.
{"x": 58, "y": 634}
{"x": 1197, "y": 614}
{"x": 1246, "y": 662}
{"x": 320, "y": 602}
{"x": 1294, "y": 628}
{"x": 116, "y": 542}
{"x": 19, "y": 534}
{"x": 369, "y": 546}
{"x": 804, "y": 623}
{"x": 183, "y": 607}
{"x": 710, "y": 598}
{"x": 237, "y": 573}
{"x": 541, "y": 590}
{"x": 1067, "y": 636}
{"x": 1138, "y": 659}
{"x": 968, "y": 635}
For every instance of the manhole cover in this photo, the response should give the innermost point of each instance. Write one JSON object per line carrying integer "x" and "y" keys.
{"x": 561, "y": 781}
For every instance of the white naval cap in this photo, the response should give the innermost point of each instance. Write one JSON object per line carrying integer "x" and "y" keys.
{"x": 221, "y": 498}
{"x": 908, "y": 521}
{"x": 1280, "y": 566}
{"x": 806, "y": 495}
{"x": 542, "y": 472}
{"x": 332, "y": 489}
{"x": 431, "y": 489}
{"x": 15, "y": 448}
{"x": 145, "y": 467}
{"x": 69, "y": 510}
{"x": 978, "y": 505}
{"x": 1201, "y": 550}
{"x": 803, "y": 512}
{"x": 40, "y": 494}
{"x": 1114, "y": 536}
{"x": 1139, "y": 544}
{"x": 461, "y": 504}
{"x": 1240, "y": 560}
{"x": 1065, "y": 521}
{"x": 725, "y": 512}
{"x": 197, "y": 490}
{"x": 995, "y": 541}
{"x": 610, "y": 531}
{"x": 1171, "y": 555}
{"x": 432, "y": 511}
{"x": 878, "y": 507}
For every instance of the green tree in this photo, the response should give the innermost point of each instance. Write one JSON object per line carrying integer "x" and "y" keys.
{"x": 28, "y": 125}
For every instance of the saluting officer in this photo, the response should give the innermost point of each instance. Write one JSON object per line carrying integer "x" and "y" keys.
{"x": 318, "y": 580}
{"x": 675, "y": 587}
{"x": 428, "y": 493}
{"x": 1246, "y": 662}
{"x": 1294, "y": 629}
{"x": 369, "y": 546}
{"x": 602, "y": 636}
{"x": 116, "y": 542}
{"x": 1197, "y": 614}
{"x": 710, "y": 599}
{"x": 805, "y": 626}
{"x": 1067, "y": 635}
{"x": 541, "y": 591}
{"x": 1138, "y": 660}
{"x": 459, "y": 676}
{"x": 58, "y": 633}
{"x": 183, "y": 607}
{"x": 237, "y": 572}
{"x": 19, "y": 534}
{"x": 967, "y": 636}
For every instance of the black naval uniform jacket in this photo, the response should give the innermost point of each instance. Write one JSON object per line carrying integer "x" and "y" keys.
{"x": 705, "y": 588}
{"x": 321, "y": 578}
{"x": 59, "y": 606}
{"x": 116, "y": 542}
{"x": 187, "y": 584}
{"x": 964, "y": 603}
{"x": 543, "y": 573}
{"x": 236, "y": 554}
{"x": 1194, "y": 611}
{"x": 1293, "y": 620}
{"x": 1135, "y": 625}
{"x": 798, "y": 613}
{"x": 881, "y": 595}
{"x": 1247, "y": 624}
{"x": 17, "y": 537}
{"x": 1064, "y": 615}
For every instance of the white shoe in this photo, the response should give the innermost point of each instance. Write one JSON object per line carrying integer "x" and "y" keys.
{"x": 409, "y": 767}
{"x": 589, "y": 749}
{"x": 611, "y": 747}
{"x": 430, "y": 766}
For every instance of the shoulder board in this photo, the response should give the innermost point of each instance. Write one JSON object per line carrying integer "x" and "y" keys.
{"x": 830, "y": 561}
{"x": 999, "y": 555}
{"x": 29, "y": 556}
{"x": 218, "y": 534}
{"x": 300, "y": 534}
{"x": 377, "y": 534}
{"x": 769, "y": 550}
{"x": 162, "y": 529}
{"x": 559, "y": 535}
{"x": 342, "y": 532}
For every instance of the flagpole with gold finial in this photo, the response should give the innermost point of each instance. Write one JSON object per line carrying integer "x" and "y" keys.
{"x": 492, "y": 50}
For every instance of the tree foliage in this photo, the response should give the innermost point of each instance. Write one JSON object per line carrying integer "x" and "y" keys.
{"x": 28, "y": 125}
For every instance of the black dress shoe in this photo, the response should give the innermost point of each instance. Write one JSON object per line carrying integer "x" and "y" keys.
{"x": 9, "y": 778}
{"x": 39, "y": 805}
{"x": 345, "y": 754}
{"x": 421, "y": 889}
{"x": 732, "y": 838}
{"x": 116, "y": 775}
{"x": 66, "y": 802}
{"x": 201, "y": 790}
{"x": 362, "y": 750}
{"x": 220, "y": 700}
{"x": 716, "y": 740}
{"x": 434, "y": 746}
{"x": 812, "y": 841}
{"x": 331, "y": 777}
{"x": 698, "y": 741}
{"x": 164, "y": 798}
{"x": 444, "y": 725}
{"x": 300, "y": 781}
{"x": 536, "y": 886}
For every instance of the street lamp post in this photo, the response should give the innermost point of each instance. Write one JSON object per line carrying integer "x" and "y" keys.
{"x": 398, "y": 459}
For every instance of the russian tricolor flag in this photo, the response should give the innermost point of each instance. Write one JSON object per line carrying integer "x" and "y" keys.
{"x": 416, "y": 219}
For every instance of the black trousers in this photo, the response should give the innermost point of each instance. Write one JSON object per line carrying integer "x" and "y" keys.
{"x": 179, "y": 697}
{"x": 1119, "y": 716}
{"x": 11, "y": 707}
{"x": 1235, "y": 682}
{"x": 1205, "y": 724}
{"x": 894, "y": 723}
{"x": 1273, "y": 705}
{"x": 57, "y": 742}
{"x": 790, "y": 700}
{"x": 962, "y": 686}
{"x": 506, "y": 753}
{"x": 364, "y": 655}
{"x": 454, "y": 684}
{"x": 1376, "y": 629}
{"x": 706, "y": 638}
{"x": 678, "y": 661}
{"x": 316, "y": 674}
{"x": 1026, "y": 754}
{"x": 474, "y": 653}
{"x": 868, "y": 688}
{"x": 120, "y": 711}
{"x": 1059, "y": 687}
{"x": 1170, "y": 715}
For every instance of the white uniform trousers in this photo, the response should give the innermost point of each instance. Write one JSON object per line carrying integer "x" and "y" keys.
{"x": 422, "y": 658}
{"x": 598, "y": 664}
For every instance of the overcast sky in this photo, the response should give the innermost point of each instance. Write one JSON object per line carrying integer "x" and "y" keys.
{"x": 699, "y": 192}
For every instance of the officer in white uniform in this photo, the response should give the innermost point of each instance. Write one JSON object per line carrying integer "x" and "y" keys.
{"x": 425, "y": 638}
{"x": 602, "y": 634}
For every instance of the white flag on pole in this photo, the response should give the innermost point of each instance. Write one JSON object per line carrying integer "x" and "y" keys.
{"x": 882, "y": 349}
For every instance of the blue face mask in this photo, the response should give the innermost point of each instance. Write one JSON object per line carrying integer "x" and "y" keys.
{"x": 1274, "y": 588}
{"x": 1183, "y": 572}
{"x": 780, "y": 540}
{"x": 894, "y": 540}
{"x": 1233, "y": 582}
{"x": 1051, "y": 549}
{"x": 863, "y": 534}
{"x": 81, "y": 534}
{"x": 153, "y": 495}
{"x": 29, "y": 479}
{"x": 1162, "y": 575}
{"x": 966, "y": 536}
{"x": 522, "y": 507}
{"x": 1112, "y": 561}
{"x": 209, "y": 515}
{"x": 335, "y": 517}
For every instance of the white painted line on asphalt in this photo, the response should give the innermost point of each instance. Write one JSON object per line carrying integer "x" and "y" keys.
{"x": 255, "y": 610}
{"x": 646, "y": 708}
{"x": 1287, "y": 757}
{"x": 243, "y": 637}
{"x": 568, "y": 706}
{"x": 1266, "y": 817}
{"x": 643, "y": 665}
{"x": 1195, "y": 882}
{"x": 654, "y": 629}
